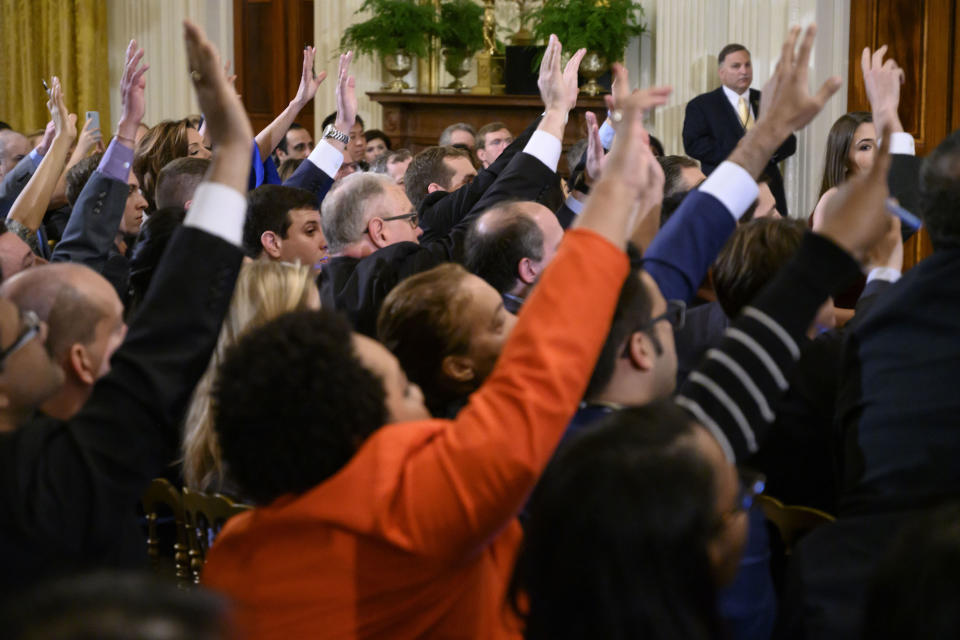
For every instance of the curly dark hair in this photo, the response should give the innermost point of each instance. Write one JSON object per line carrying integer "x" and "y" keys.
{"x": 940, "y": 191}
{"x": 293, "y": 403}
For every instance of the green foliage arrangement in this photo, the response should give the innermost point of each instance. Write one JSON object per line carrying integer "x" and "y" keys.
{"x": 396, "y": 25}
{"x": 461, "y": 29}
{"x": 603, "y": 26}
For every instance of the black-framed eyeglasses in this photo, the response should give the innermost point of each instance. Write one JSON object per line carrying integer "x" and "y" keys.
{"x": 751, "y": 485}
{"x": 676, "y": 315}
{"x": 413, "y": 218}
{"x": 31, "y": 327}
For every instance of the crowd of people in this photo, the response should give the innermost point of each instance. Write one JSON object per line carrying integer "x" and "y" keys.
{"x": 466, "y": 396}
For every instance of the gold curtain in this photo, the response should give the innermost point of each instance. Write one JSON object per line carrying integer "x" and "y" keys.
{"x": 43, "y": 38}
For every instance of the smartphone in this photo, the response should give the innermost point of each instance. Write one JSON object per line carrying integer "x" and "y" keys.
{"x": 95, "y": 116}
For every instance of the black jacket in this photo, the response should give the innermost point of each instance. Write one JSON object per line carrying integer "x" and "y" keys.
{"x": 69, "y": 490}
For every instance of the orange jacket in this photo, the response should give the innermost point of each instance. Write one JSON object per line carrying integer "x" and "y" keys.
{"x": 416, "y": 536}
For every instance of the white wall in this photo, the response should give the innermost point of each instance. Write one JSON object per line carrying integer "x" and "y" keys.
{"x": 157, "y": 26}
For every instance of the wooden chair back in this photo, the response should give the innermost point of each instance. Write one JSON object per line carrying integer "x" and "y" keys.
{"x": 792, "y": 521}
{"x": 160, "y": 499}
{"x": 204, "y": 516}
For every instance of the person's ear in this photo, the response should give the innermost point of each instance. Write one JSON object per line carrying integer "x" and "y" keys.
{"x": 433, "y": 186}
{"x": 4, "y": 400}
{"x": 458, "y": 368}
{"x": 186, "y": 205}
{"x": 527, "y": 271}
{"x": 271, "y": 244}
{"x": 642, "y": 352}
{"x": 81, "y": 365}
{"x": 378, "y": 233}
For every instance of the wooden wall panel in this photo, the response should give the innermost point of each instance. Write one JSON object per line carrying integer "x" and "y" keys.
{"x": 269, "y": 36}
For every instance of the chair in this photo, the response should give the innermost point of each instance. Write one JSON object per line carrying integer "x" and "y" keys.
{"x": 163, "y": 496}
{"x": 792, "y": 522}
{"x": 204, "y": 516}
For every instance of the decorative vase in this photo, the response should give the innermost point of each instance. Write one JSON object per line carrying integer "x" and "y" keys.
{"x": 457, "y": 64}
{"x": 398, "y": 64}
{"x": 592, "y": 67}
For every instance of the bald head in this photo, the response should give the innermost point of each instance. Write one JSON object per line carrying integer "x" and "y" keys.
{"x": 13, "y": 147}
{"x": 71, "y": 298}
{"x": 512, "y": 242}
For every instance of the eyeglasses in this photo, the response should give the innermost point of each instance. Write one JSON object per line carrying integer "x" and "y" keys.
{"x": 752, "y": 485}
{"x": 413, "y": 218}
{"x": 31, "y": 327}
{"x": 676, "y": 315}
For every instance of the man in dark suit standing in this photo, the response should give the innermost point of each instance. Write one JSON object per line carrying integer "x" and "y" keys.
{"x": 715, "y": 121}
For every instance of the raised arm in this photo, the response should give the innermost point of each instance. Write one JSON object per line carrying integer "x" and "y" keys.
{"x": 681, "y": 253}
{"x": 29, "y": 207}
{"x": 92, "y": 227}
{"x": 321, "y": 166}
{"x": 558, "y": 91}
{"x": 470, "y": 480}
{"x": 127, "y": 433}
{"x": 732, "y": 391}
{"x": 272, "y": 134}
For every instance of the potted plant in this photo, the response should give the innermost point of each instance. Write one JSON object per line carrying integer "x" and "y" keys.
{"x": 398, "y": 30}
{"x": 461, "y": 36}
{"x": 602, "y": 27}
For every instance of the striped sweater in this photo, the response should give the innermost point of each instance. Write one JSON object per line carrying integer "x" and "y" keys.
{"x": 732, "y": 391}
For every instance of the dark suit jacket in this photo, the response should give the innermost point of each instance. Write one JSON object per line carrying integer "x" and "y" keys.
{"x": 357, "y": 287}
{"x": 92, "y": 229}
{"x": 711, "y": 130}
{"x": 899, "y": 404}
{"x": 68, "y": 491}
{"x": 13, "y": 183}
{"x": 310, "y": 177}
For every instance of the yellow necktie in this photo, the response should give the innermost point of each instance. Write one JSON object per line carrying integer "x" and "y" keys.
{"x": 746, "y": 118}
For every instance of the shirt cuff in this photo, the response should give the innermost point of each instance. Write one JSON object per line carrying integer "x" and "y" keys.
{"x": 884, "y": 273}
{"x": 574, "y": 205}
{"x": 327, "y": 158}
{"x": 902, "y": 142}
{"x": 117, "y": 161}
{"x": 35, "y": 157}
{"x": 606, "y": 134}
{"x": 218, "y": 210}
{"x": 733, "y": 187}
{"x": 545, "y": 148}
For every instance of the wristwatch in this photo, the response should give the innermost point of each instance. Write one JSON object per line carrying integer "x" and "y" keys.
{"x": 332, "y": 132}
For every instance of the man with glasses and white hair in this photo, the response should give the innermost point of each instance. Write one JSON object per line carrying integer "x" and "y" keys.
{"x": 372, "y": 228}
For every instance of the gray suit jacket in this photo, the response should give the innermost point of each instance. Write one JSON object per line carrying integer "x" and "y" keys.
{"x": 13, "y": 183}
{"x": 89, "y": 234}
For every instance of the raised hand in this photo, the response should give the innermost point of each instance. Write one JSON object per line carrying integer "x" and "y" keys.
{"x": 88, "y": 139}
{"x": 791, "y": 106}
{"x": 65, "y": 123}
{"x": 47, "y": 139}
{"x": 558, "y": 89}
{"x": 227, "y": 122}
{"x": 882, "y": 81}
{"x": 346, "y": 95}
{"x": 132, "y": 101}
{"x": 856, "y": 217}
{"x": 309, "y": 81}
{"x": 596, "y": 157}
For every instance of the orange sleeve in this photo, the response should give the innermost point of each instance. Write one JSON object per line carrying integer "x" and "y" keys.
{"x": 454, "y": 490}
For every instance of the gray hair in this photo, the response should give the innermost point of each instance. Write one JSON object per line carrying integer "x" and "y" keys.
{"x": 458, "y": 126}
{"x": 345, "y": 212}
